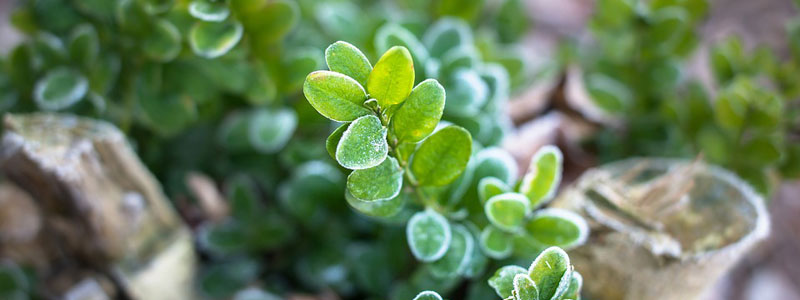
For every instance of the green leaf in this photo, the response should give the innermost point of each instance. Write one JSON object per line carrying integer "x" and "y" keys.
{"x": 441, "y": 157}
{"x": 345, "y": 58}
{"x": 378, "y": 208}
{"x": 49, "y": 49}
{"x": 391, "y": 35}
{"x": 333, "y": 140}
{"x": 363, "y": 144}
{"x": 335, "y": 96}
{"x": 418, "y": 116}
{"x": 525, "y": 288}
{"x": 84, "y": 45}
{"x": 496, "y": 243}
{"x": 269, "y": 130}
{"x": 489, "y": 187}
{"x": 60, "y": 88}
{"x": 428, "y": 235}
{"x": 234, "y": 132}
{"x": 446, "y": 34}
{"x": 381, "y": 182}
{"x": 551, "y": 273}
{"x": 543, "y": 177}
{"x": 574, "y": 289}
{"x": 466, "y": 94}
{"x": 253, "y": 293}
{"x": 456, "y": 260}
{"x": 496, "y": 162}
{"x": 557, "y": 227}
{"x": 507, "y": 211}
{"x": 762, "y": 151}
{"x": 608, "y": 93}
{"x": 461, "y": 57}
{"x": 163, "y": 44}
{"x": 214, "y": 39}
{"x": 503, "y": 280}
{"x": 221, "y": 280}
{"x": 209, "y": 11}
{"x": 392, "y": 79}
{"x": 266, "y": 21}
{"x": 428, "y": 295}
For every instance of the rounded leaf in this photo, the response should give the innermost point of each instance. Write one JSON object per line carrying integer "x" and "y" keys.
{"x": 496, "y": 162}
{"x": 214, "y": 39}
{"x": 489, "y": 187}
{"x": 269, "y": 130}
{"x": 391, "y": 35}
{"x": 345, "y": 58}
{"x": 551, "y": 272}
{"x": 418, "y": 116}
{"x": 363, "y": 144}
{"x": 608, "y": 93}
{"x": 503, "y": 280}
{"x": 441, "y": 157}
{"x": 466, "y": 94}
{"x": 446, "y": 34}
{"x": 507, "y": 211}
{"x": 378, "y": 208}
{"x": 428, "y": 235}
{"x": 496, "y": 243}
{"x": 392, "y": 79}
{"x": 210, "y": 11}
{"x": 60, "y": 88}
{"x": 458, "y": 255}
{"x": 335, "y": 96}
{"x": 525, "y": 288}
{"x": 163, "y": 44}
{"x": 381, "y": 182}
{"x": 574, "y": 289}
{"x": 84, "y": 45}
{"x": 544, "y": 175}
{"x": 428, "y": 295}
{"x": 557, "y": 227}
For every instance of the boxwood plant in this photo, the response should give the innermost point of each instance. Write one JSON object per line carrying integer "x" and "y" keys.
{"x": 406, "y": 166}
{"x": 550, "y": 276}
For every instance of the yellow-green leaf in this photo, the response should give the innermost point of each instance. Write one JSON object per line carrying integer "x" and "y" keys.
{"x": 392, "y": 79}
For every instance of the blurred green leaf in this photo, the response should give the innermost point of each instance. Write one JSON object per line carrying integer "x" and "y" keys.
{"x": 456, "y": 259}
{"x": 209, "y": 11}
{"x": 543, "y": 177}
{"x": 214, "y": 39}
{"x": 163, "y": 44}
{"x": 495, "y": 243}
{"x": 429, "y": 235}
{"x": 507, "y": 211}
{"x": 60, "y": 88}
{"x": 557, "y": 227}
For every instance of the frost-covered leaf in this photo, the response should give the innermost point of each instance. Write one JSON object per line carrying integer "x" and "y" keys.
{"x": 496, "y": 243}
{"x": 60, "y": 88}
{"x": 269, "y": 130}
{"x": 335, "y": 96}
{"x": 378, "y": 209}
{"x": 345, "y": 58}
{"x": 551, "y": 271}
{"x": 557, "y": 227}
{"x": 507, "y": 211}
{"x": 496, "y": 162}
{"x": 210, "y": 11}
{"x": 446, "y": 34}
{"x": 503, "y": 280}
{"x": 429, "y": 235}
{"x": 456, "y": 260}
{"x": 489, "y": 187}
{"x": 574, "y": 289}
{"x": 420, "y": 113}
{"x": 441, "y": 157}
{"x": 544, "y": 176}
{"x": 363, "y": 144}
{"x": 525, "y": 288}
{"x": 428, "y": 295}
{"x": 381, "y": 182}
{"x": 466, "y": 94}
{"x": 214, "y": 39}
{"x": 392, "y": 79}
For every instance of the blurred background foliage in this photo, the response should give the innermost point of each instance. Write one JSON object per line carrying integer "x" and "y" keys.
{"x": 215, "y": 87}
